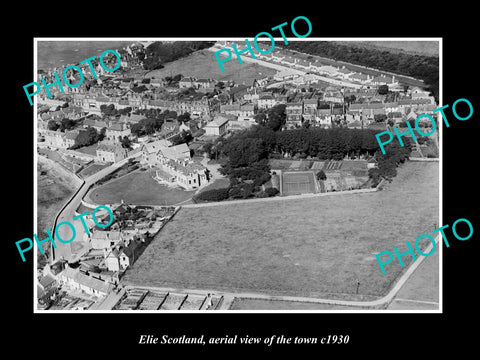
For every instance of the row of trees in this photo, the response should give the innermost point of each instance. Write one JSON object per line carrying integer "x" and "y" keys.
{"x": 110, "y": 110}
{"x": 63, "y": 125}
{"x": 320, "y": 143}
{"x": 273, "y": 118}
{"x": 147, "y": 126}
{"x": 418, "y": 66}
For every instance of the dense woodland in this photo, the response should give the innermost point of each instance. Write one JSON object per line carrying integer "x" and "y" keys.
{"x": 421, "y": 67}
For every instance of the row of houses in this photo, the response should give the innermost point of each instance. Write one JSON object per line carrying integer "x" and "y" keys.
{"x": 294, "y": 63}
{"x": 202, "y": 85}
{"x": 197, "y": 108}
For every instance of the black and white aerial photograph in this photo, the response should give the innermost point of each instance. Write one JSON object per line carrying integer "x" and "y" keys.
{"x": 210, "y": 178}
{"x": 258, "y": 185}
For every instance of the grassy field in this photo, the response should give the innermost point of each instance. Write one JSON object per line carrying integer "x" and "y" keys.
{"x": 423, "y": 285}
{"x": 318, "y": 246}
{"x": 138, "y": 188}
{"x": 91, "y": 169}
{"x": 90, "y": 150}
{"x": 260, "y": 304}
{"x": 219, "y": 183}
{"x": 203, "y": 64}
{"x": 53, "y": 190}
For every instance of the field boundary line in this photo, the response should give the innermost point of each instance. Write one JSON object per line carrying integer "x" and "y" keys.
{"x": 418, "y": 301}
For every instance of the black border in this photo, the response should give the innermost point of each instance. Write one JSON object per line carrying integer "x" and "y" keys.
{"x": 118, "y": 333}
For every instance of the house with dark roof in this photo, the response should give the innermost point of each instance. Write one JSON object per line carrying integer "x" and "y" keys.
{"x": 120, "y": 257}
{"x": 237, "y": 92}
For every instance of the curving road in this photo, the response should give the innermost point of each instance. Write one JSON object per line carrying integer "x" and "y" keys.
{"x": 73, "y": 250}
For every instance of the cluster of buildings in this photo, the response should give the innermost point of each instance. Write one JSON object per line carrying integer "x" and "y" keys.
{"x": 219, "y": 109}
{"x": 296, "y": 66}
{"x": 110, "y": 253}
{"x": 174, "y": 165}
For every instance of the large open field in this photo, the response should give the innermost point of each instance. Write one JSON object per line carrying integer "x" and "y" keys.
{"x": 203, "y": 64}
{"x": 138, "y": 188}
{"x": 316, "y": 246}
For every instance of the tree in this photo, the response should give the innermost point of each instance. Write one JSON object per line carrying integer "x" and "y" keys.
{"x": 103, "y": 132}
{"x": 383, "y": 89}
{"x": 126, "y": 142}
{"x": 66, "y": 124}
{"x": 350, "y": 99}
{"x": 52, "y": 125}
{"x": 137, "y": 129}
{"x": 321, "y": 175}
{"x": 108, "y": 109}
{"x": 260, "y": 118}
{"x": 276, "y": 117}
{"x": 244, "y": 152}
{"x": 213, "y": 195}
{"x": 380, "y": 117}
{"x": 86, "y": 137}
{"x": 209, "y": 150}
{"x": 185, "y": 117}
{"x": 271, "y": 191}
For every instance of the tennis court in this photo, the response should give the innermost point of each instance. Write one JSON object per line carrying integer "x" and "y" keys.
{"x": 298, "y": 182}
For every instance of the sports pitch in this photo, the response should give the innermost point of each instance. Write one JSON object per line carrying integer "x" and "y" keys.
{"x": 298, "y": 182}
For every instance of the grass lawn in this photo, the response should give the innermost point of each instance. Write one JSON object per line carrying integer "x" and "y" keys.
{"x": 52, "y": 193}
{"x": 90, "y": 150}
{"x": 138, "y": 188}
{"x": 92, "y": 169}
{"x": 203, "y": 64}
{"x": 261, "y": 304}
{"x": 319, "y": 246}
{"x": 219, "y": 183}
{"x": 423, "y": 285}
